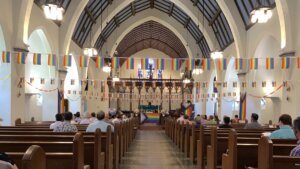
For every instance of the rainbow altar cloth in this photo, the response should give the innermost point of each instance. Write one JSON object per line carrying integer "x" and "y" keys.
{"x": 152, "y": 117}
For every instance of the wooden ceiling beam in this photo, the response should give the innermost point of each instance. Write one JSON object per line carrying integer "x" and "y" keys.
{"x": 133, "y": 8}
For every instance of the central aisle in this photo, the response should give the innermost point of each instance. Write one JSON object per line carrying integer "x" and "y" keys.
{"x": 153, "y": 150}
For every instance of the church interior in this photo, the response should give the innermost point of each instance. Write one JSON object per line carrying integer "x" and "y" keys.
{"x": 131, "y": 84}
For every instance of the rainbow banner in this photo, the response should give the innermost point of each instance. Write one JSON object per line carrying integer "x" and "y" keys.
{"x": 206, "y": 64}
{"x": 99, "y": 62}
{"x": 175, "y": 64}
{"x": 160, "y": 64}
{"x": 6, "y": 57}
{"x": 83, "y": 61}
{"x": 189, "y": 110}
{"x": 152, "y": 117}
{"x": 285, "y": 63}
{"x": 115, "y": 62}
{"x": 222, "y": 64}
{"x": 37, "y": 59}
{"x": 253, "y": 64}
{"x": 144, "y": 63}
{"x": 51, "y": 60}
{"x": 191, "y": 64}
{"x": 67, "y": 60}
{"x": 21, "y": 58}
{"x": 130, "y": 63}
{"x": 298, "y": 62}
{"x": 243, "y": 106}
{"x": 269, "y": 63}
{"x": 238, "y": 64}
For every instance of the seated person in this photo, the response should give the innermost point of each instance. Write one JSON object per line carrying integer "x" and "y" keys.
{"x": 85, "y": 119}
{"x": 226, "y": 124}
{"x": 77, "y": 118}
{"x": 66, "y": 125}
{"x": 254, "y": 124}
{"x": 186, "y": 119}
{"x": 296, "y": 150}
{"x": 99, "y": 123}
{"x": 211, "y": 120}
{"x": 59, "y": 119}
{"x": 7, "y": 162}
{"x": 181, "y": 118}
{"x": 93, "y": 117}
{"x": 285, "y": 131}
{"x": 204, "y": 119}
{"x": 198, "y": 121}
{"x": 236, "y": 119}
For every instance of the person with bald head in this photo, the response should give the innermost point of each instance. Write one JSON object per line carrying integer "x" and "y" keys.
{"x": 99, "y": 123}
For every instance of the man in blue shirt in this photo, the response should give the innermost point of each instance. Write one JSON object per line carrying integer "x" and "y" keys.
{"x": 99, "y": 123}
{"x": 285, "y": 131}
{"x": 296, "y": 150}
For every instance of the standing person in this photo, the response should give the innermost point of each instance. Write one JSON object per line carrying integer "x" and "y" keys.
{"x": 226, "y": 124}
{"x": 99, "y": 123}
{"x": 254, "y": 124}
{"x": 66, "y": 126}
{"x": 59, "y": 119}
{"x": 285, "y": 131}
{"x": 296, "y": 150}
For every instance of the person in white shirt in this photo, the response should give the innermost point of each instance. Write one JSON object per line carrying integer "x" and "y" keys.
{"x": 99, "y": 123}
{"x": 59, "y": 119}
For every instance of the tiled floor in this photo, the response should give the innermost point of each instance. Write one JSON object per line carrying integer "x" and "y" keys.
{"x": 154, "y": 150}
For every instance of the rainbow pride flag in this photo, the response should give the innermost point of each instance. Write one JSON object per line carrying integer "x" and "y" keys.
{"x": 6, "y": 57}
{"x": 253, "y": 64}
{"x": 206, "y": 64}
{"x": 285, "y": 63}
{"x": 51, "y": 60}
{"x": 67, "y": 60}
{"x": 144, "y": 63}
{"x": 238, "y": 64}
{"x": 152, "y": 117}
{"x": 269, "y": 63}
{"x": 160, "y": 64}
{"x": 191, "y": 64}
{"x": 21, "y": 58}
{"x": 130, "y": 63}
{"x": 99, "y": 62}
{"x": 115, "y": 62}
{"x": 37, "y": 59}
{"x": 222, "y": 64}
{"x": 175, "y": 64}
{"x": 83, "y": 61}
{"x": 298, "y": 62}
{"x": 243, "y": 106}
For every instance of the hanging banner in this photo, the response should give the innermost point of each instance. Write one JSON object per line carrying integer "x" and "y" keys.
{"x": 6, "y": 57}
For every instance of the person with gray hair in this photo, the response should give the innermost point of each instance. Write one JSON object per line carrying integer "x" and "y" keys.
{"x": 99, "y": 123}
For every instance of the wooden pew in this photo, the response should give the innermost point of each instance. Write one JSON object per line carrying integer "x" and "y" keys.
{"x": 267, "y": 159}
{"x": 242, "y": 155}
{"x": 33, "y": 158}
{"x": 60, "y": 155}
{"x": 92, "y": 144}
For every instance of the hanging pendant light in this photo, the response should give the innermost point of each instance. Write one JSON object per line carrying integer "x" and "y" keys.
{"x": 216, "y": 54}
{"x": 261, "y": 14}
{"x": 186, "y": 80}
{"x": 90, "y": 51}
{"x": 53, "y": 10}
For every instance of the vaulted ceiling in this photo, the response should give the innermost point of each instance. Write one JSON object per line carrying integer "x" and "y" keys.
{"x": 151, "y": 34}
{"x": 93, "y": 11}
